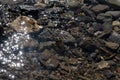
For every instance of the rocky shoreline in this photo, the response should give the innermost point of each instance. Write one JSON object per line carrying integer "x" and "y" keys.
{"x": 60, "y": 40}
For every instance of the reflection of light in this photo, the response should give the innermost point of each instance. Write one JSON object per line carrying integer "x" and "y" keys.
{"x": 11, "y": 51}
{"x": 14, "y": 0}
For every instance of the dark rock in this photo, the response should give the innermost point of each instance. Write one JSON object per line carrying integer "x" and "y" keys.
{"x": 109, "y": 74}
{"x": 49, "y": 60}
{"x": 103, "y": 16}
{"x": 114, "y": 37}
{"x": 107, "y": 25}
{"x": 97, "y": 26}
{"x": 53, "y": 34}
{"x": 89, "y": 12}
{"x": 84, "y": 19}
{"x": 115, "y": 2}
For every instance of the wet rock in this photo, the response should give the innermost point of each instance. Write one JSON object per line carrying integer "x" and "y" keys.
{"x": 49, "y": 60}
{"x": 11, "y": 1}
{"x": 67, "y": 15}
{"x": 99, "y": 8}
{"x": 114, "y": 37}
{"x": 97, "y": 26}
{"x": 84, "y": 19}
{"x": 115, "y": 2}
{"x": 103, "y": 16}
{"x": 40, "y": 4}
{"x": 53, "y": 34}
{"x": 113, "y": 13}
{"x": 54, "y": 10}
{"x": 29, "y": 7}
{"x": 73, "y": 3}
{"x": 112, "y": 45}
{"x": 52, "y": 63}
{"x": 45, "y": 55}
{"x": 116, "y": 23}
{"x": 73, "y": 61}
{"x": 107, "y": 25}
{"x": 89, "y": 12}
{"x": 108, "y": 74}
{"x": 65, "y": 67}
{"x": 45, "y": 44}
{"x": 25, "y": 24}
{"x": 105, "y": 64}
{"x": 87, "y": 44}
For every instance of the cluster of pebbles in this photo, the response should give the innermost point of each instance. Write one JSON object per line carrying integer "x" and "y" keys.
{"x": 59, "y": 39}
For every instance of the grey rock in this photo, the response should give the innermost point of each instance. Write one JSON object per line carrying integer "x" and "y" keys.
{"x": 114, "y": 37}
{"x": 99, "y": 8}
{"x": 114, "y": 2}
{"x": 108, "y": 74}
{"x": 107, "y": 25}
{"x": 53, "y": 34}
{"x": 29, "y": 7}
{"x": 113, "y": 13}
{"x": 11, "y": 1}
{"x": 103, "y": 16}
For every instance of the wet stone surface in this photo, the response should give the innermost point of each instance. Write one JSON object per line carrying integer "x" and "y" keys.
{"x": 59, "y": 40}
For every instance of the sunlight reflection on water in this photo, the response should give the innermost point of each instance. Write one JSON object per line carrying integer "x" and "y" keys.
{"x": 11, "y": 52}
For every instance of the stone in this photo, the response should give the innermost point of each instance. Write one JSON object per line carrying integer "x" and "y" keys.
{"x": 116, "y": 23}
{"x": 25, "y": 24}
{"x": 113, "y": 13}
{"x": 49, "y": 60}
{"x": 65, "y": 67}
{"x": 99, "y": 8}
{"x": 52, "y": 63}
{"x": 114, "y": 2}
{"x": 107, "y": 25}
{"x": 29, "y": 8}
{"x": 83, "y": 18}
{"x": 11, "y": 1}
{"x": 103, "y": 16}
{"x": 105, "y": 64}
{"x": 112, "y": 45}
{"x": 53, "y": 34}
{"x": 46, "y": 54}
{"x": 114, "y": 37}
{"x": 73, "y": 61}
{"x": 108, "y": 74}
